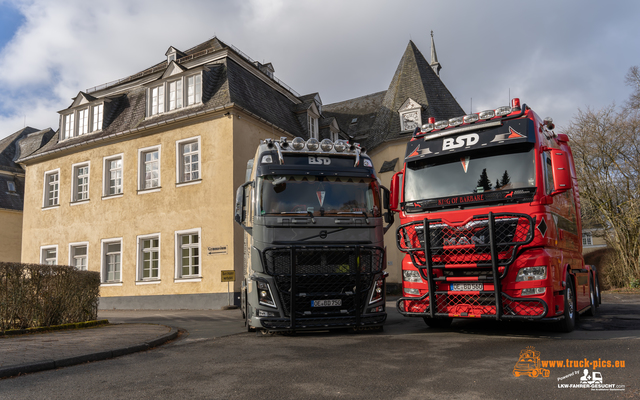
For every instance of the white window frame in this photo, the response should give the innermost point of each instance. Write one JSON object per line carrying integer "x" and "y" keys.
{"x": 106, "y": 178}
{"x": 313, "y": 126}
{"x": 587, "y": 239}
{"x": 74, "y": 180}
{"x": 159, "y": 97}
{"x": 83, "y": 121}
{"x": 45, "y": 194}
{"x": 140, "y": 280}
{"x": 68, "y": 125}
{"x": 104, "y": 243}
{"x": 180, "y": 181}
{"x": 97, "y": 118}
{"x": 178, "y": 256}
{"x": 142, "y": 169}
{"x": 73, "y": 257}
{"x": 197, "y": 90}
{"x": 179, "y": 94}
{"x": 44, "y": 249}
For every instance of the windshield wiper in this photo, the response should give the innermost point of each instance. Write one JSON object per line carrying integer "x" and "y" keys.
{"x": 309, "y": 213}
{"x": 366, "y": 217}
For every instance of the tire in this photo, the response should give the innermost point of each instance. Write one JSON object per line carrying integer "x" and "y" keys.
{"x": 437, "y": 322}
{"x": 593, "y": 309}
{"x": 568, "y": 324}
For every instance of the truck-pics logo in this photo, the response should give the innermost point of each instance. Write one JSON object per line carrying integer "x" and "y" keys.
{"x": 529, "y": 363}
{"x": 460, "y": 141}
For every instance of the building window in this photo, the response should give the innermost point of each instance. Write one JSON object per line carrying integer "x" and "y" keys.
{"x": 97, "y": 117}
{"x": 188, "y": 254}
{"x": 80, "y": 181}
{"x": 78, "y": 254}
{"x": 149, "y": 257}
{"x": 83, "y": 121}
{"x": 188, "y": 160}
{"x": 11, "y": 186}
{"x": 157, "y": 100}
{"x": 68, "y": 126}
{"x": 51, "y": 188}
{"x": 194, "y": 89}
{"x": 112, "y": 260}
{"x": 313, "y": 126}
{"x": 49, "y": 255}
{"x": 587, "y": 239}
{"x": 175, "y": 95}
{"x": 149, "y": 168}
{"x": 113, "y": 175}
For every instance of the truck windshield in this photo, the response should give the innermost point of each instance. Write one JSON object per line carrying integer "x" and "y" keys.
{"x": 318, "y": 195}
{"x": 501, "y": 169}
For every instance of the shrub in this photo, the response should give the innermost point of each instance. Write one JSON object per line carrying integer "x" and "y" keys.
{"x": 33, "y": 295}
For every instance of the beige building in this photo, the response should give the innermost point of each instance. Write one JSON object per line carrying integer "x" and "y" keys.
{"x": 139, "y": 181}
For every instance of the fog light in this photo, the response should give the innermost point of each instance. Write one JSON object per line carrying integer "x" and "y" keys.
{"x": 470, "y": 118}
{"x": 313, "y": 144}
{"x": 502, "y": 111}
{"x": 486, "y": 114}
{"x": 298, "y": 143}
{"x": 410, "y": 291}
{"x": 326, "y": 145}
{"x": 262, "y": 313}
{"x": 442, "y": 124}
{"x": 532, "y": 291}
{"x": 340, "y": 146}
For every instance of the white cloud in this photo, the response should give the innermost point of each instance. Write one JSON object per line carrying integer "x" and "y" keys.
{"x": 557, "y": 56}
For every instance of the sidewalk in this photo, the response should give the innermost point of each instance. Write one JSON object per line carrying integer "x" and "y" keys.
{"x": 41, "y": 351}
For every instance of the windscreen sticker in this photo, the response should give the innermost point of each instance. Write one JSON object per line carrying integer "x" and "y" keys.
{"x": 320, "y": 195}
{"x": 465, "y": 163}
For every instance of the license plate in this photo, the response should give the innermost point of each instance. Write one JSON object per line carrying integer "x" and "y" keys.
{"x": 467, "y": 287}
{"x": 326, "y": 303}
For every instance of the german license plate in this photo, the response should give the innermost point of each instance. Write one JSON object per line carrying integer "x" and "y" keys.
{"x": 326, "y": 303}
{"x": 467, "y": 287}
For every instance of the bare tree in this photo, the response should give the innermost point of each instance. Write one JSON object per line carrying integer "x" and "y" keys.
{"x": 606, "y": 148}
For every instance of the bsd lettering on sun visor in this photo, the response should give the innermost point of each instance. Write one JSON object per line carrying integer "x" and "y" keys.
{"x": 511, "y": 132}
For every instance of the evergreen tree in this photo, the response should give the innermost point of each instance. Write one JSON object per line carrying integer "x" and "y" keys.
{"x": 484, "y": 182}
{"x": 497, "y": 183}
{"x": 506, "y": 179}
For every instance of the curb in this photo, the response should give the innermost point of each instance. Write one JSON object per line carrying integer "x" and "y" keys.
{"x": 99, "y": 356}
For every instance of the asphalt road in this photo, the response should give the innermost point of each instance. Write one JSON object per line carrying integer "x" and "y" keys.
{"x": 471, "y": 360}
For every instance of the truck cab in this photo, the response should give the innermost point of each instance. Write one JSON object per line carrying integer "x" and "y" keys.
{"x": 496, "y": 195}
{"x": 314, "y": 223}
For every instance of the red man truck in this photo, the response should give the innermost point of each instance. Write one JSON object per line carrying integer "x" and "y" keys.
{"x": 495, "y": 194}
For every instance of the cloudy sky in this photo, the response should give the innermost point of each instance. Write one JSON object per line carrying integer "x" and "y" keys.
{"x": 557, "y": 56}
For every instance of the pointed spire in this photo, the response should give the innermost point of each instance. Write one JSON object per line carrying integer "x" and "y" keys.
{"x": 434, "y": 57}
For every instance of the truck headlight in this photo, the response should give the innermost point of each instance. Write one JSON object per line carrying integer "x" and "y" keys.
{"x": 532, "y": 274}
{"x": 265, "y": 297}
{"x": 378, "y": 291}
{"x": 411, "y": 276}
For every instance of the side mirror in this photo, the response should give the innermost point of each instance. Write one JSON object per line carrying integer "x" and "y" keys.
{"x": 388, "y": 216}
{"x": 561, "y": 171}
{"x": 240, "y": 211}
{"x": 396, "y": 188}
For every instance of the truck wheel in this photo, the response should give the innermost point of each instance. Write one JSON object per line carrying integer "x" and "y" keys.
{"x": 569, "y": 321}
{"x": 597, "y": 289}
{"x": 593, "y": 310}
{"x": 437, "y": 322}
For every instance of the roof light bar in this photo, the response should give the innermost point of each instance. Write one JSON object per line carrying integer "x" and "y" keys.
{"x": 442, "y": 124}
{"x": 456, "y": 121}
{"x": 487, "y": 114}
{"x": 470, "y": 118}
{"x": 502, "y": 111}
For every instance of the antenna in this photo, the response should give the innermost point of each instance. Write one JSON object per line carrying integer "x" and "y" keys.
{"x": 471, "y": 107}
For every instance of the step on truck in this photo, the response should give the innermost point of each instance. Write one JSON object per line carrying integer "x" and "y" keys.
{"x": 314, "y": 224}
{"x": 495, "y": 195}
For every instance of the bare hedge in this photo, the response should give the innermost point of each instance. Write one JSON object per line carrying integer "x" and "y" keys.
{"x": 33, "y": 295}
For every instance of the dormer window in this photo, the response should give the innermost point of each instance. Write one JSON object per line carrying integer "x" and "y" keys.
{"x": 174, "y": 93}
{"x": 85, "y": 116}
{"x": 313, "y": 126}
{"x": 11, "y": 186}
{"x": 171, "y": 57}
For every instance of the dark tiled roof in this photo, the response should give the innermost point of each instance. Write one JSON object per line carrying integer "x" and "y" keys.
{"x": 224, "y": 83}
{"x": 414, "y": 78}
{"x": 9, "y": 150}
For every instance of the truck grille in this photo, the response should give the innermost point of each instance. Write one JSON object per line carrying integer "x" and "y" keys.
{"x": 306, "y": 274}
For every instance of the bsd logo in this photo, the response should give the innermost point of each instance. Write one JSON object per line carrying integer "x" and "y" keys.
{"x": 319, "y": 160}
{"x": 470, "y": 140}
